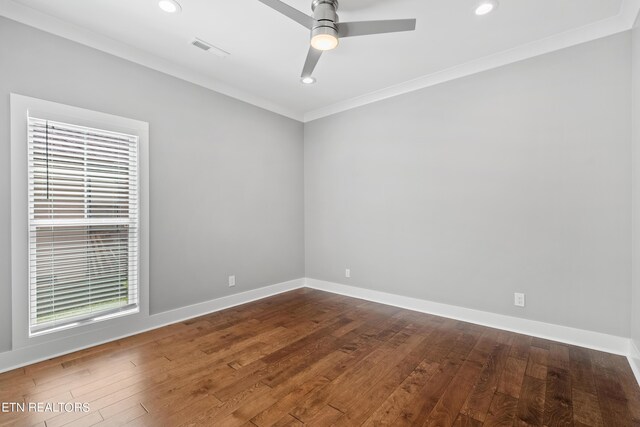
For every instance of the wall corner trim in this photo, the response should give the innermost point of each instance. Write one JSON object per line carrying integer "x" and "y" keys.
{"x": 634, "y": 359}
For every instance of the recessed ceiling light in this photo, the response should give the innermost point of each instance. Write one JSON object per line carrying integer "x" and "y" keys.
{"x": 170, "y": 6}
{"x": 308, "y": 80}
{"x": 486, "y": 6}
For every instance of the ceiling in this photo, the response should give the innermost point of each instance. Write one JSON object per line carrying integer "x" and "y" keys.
{"x": 268, "y": 50}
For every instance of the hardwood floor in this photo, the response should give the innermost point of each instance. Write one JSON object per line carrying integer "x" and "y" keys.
{"x": 314, "y": 358}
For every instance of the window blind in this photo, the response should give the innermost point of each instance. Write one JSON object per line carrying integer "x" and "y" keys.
{"x": 83, "y": 224}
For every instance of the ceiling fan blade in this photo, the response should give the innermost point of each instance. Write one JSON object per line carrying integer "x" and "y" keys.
{"x": 291, "y": 12}
{"x": 312, "y": 60}
{"x": 364, "y": 28}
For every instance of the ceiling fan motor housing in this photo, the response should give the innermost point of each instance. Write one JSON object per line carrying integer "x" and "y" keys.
{"x": 326, "y": 30}
{"x": 326, "y": 17}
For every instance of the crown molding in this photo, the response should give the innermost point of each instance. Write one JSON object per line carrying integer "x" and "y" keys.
{"x": 42, "y": 21}
{"x": 623, "y": 21}
{"x": 630, "y": 11}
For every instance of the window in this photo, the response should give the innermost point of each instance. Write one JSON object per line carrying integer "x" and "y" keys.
{"x": 83, "y": 223}
{"x": 79, "y": 209}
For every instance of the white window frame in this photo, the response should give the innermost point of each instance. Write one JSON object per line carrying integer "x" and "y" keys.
{"x": 21, "y": 108}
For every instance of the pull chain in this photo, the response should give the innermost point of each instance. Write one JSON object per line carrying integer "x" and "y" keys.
{"x": 47, "y": 154}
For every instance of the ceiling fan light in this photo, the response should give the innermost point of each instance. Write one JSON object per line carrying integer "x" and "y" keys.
{"x": 324, "y": 41}
{"x": 169, "y": 6}
{"x": 484, "y": 7}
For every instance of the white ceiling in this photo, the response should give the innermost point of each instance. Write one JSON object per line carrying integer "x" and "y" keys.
{"x": 268, "y": 50}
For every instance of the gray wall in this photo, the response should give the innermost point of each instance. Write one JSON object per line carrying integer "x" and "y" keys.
{"x": 635, "y": 308}
{"x": 226, "y": 190}
{"x": 512, "y": 180}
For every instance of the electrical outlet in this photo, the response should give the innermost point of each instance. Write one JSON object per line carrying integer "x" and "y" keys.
{"x": 232, "y": 280}
{"x": 347, "y": 272}
{"x": 518, "y": 299}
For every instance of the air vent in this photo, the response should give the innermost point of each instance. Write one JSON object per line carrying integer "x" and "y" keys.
{"x": 208, "y": 47}
{"x": 200, "y": 44}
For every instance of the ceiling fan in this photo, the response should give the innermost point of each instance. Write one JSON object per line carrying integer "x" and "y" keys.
{"x": 326, "y": 30}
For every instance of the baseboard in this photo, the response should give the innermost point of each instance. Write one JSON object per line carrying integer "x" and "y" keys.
{"x": 634, "y": 359}
{"x": 612, "y": 344}
{"x": 565, "y": 334}
{"x": 24, "y": 356}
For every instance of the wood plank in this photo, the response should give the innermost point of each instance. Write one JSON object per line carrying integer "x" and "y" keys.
{"x": 328, "y": 360}
{"x": 479, "y": 400}
{"x": 278, "y": 410}
{"x": 422, "y": 403}
{"x": 466, "y": 421}
{"x": 502, "y": 411}
{"x": 537, "y": 364}
{"x": 558, "y": 404}
{"x": 341, "y": 390}
{"x": 288, "y": 421}
{"x": 391, "y": 408}
{"x": 123, "y": 417}
{"x": 530, "y": 411}
{"x": 586, "y": 408}
{"x": 520, "y": 347}
{"x": 327, "y": 416}
{"x": 581, "y": 370}
{"x": 346, "y": 399}
{"x": 612, "y": 399}
{"x": 448, "y": 407}
{"x": 211, "y": 414}
{"x": 512, "y": 377}
{"x": 369, "y": 399}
